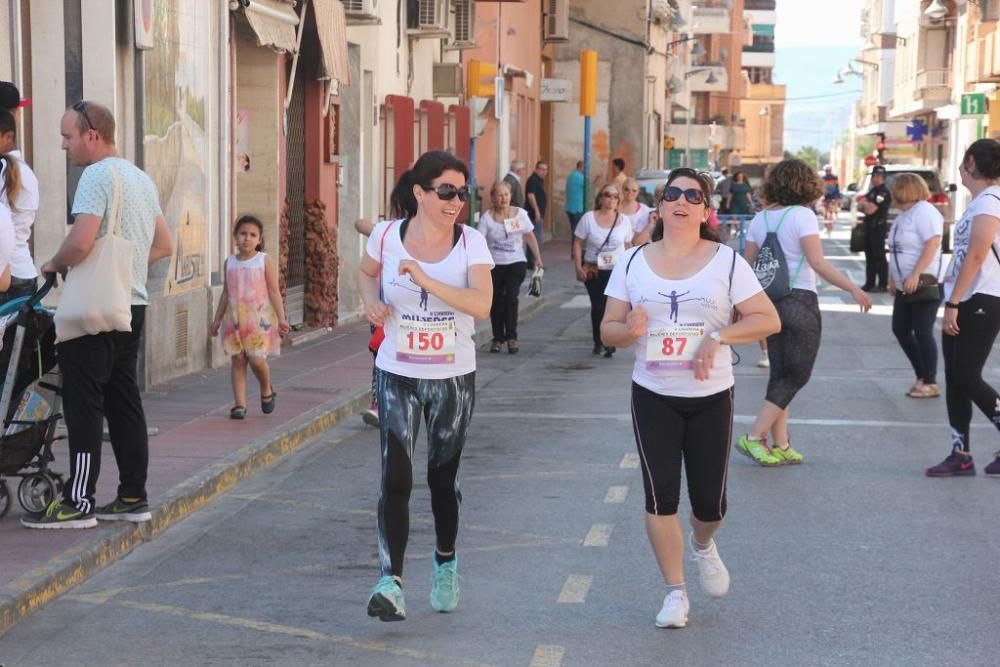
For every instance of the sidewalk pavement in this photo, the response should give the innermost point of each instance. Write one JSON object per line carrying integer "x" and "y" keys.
{"x": 198, "y": 452}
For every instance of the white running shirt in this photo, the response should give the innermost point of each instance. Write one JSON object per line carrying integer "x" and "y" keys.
{"x": 988, "y": 279}
{"x": 441, "y": 344}
{"x": 799, "y": 223}
{"x": 506, "y": 246}
{"x": 593, "y": 236}
{"x": 911, "y": 230}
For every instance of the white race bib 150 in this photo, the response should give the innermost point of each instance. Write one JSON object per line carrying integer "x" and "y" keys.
{"x": 426, "y": 342}
{"x": 673, "y": 348}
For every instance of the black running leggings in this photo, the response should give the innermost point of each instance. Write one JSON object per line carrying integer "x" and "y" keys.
{"x": 598, "y": 302}
{"x": 507, "y": 279}
{"x": 697, "y": 431}
{"x": 793, "y": 350}
{"x": 446, "y": 408}
{"x": 913, "y": 326}
{"x": 965, "y": 356}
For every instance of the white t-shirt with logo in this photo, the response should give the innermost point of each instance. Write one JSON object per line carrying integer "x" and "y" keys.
{"x": 23, "y": 214}
{"x": 799, "y": 223}
{"x": 505, "y": 238}
{"x": 640, "y": 218}
{"x": 593, "y": 236}
{"x": 911, "y": 231}
{"x": 425, "y": 338}
{"x": 681, "y": 313}
{"x": 988, "y": 279}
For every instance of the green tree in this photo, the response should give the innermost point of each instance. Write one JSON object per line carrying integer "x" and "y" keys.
{"x": 813, "y": 156}
{"x": 864, "y": 147}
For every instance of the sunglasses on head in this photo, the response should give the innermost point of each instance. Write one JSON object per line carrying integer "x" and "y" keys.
{"x": 447, "y": 192}
{"x": 81, "y": 108}
{"x": 692, "y": 195}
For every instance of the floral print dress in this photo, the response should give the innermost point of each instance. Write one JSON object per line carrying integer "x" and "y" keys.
{"x": 250, "y": 326}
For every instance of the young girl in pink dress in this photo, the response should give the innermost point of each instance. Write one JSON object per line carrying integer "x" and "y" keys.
{"x": 254, "y": 316}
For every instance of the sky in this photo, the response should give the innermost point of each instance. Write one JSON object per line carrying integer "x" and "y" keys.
{"x": 814, "y": 40}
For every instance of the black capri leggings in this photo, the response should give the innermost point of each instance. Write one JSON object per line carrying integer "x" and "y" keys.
{"x": 697, "y": 430}
{"x": 965, "y": 356}
{"x": 598, "y": 301}
{"x": 446, "y": 407}
{"x": 793, "y": 350}
{"x": 913, "y": 326}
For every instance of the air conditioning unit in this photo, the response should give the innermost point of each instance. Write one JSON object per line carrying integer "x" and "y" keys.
{"x": 555, "y": 27}
{"x": 447, "y": 80}
{"x": 361, "y": 9}
{"x": 462, "y": 36}
{"x": 431, "y": 19}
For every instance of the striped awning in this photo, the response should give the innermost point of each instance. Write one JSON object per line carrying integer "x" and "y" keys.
{"x": 273, "y": 22}
{"x": 331, "y": 25}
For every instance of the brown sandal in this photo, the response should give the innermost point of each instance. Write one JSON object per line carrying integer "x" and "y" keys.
{"x": 512, "y": 346}
{"x": 925, "y": 391}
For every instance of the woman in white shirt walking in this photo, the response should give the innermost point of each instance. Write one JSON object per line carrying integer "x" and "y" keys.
{"x": 972, "y": 309}
{"x": 915, "y": 250}
{"x": 426, "y": 279}
{"x": 673, "y": 299}
{"x": 601, "y": 236}
{"x": 507, "y": 228}
{"x": 637, "y": 212}
{"x": 790, "y": 189}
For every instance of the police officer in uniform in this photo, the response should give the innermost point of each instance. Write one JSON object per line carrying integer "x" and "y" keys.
{"x": 875, "y": 206}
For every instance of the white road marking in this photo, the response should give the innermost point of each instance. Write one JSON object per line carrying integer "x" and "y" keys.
{"x": 739, "y": 419}
{"x": 578, "y": 301}
{"x": 547, "y": 655}
{"x": 629, "y": 461}
{"x": 575, "y": 590}
{"x": 599, "y": 535}
{"x": 616, "y": 494}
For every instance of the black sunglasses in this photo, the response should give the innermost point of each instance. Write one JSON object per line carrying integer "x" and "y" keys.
{"x": 81, "y": 109}
{"x": 447, "y": 192}
{"x": 693, "y": 195}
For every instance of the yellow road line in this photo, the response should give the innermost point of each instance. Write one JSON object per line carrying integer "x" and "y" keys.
{"x": 616, "y": 494}
{"x": 629, "y": 461}
{"x": 599, "y": 535}
{"x": 547, "y": 655}
{"x": 575, "y": 590}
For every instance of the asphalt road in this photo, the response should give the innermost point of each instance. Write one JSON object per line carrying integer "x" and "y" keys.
{"x": 853, "y": 558}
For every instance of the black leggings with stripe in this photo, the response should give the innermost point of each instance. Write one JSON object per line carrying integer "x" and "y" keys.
{"x": 965, "y": 355}
{"x": 445, "y": 406}
{"x": 671, "y": 430}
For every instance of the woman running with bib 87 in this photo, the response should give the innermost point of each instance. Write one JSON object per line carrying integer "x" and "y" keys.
{"x": 425, "y": 279}
{"x": 674, "y": 300}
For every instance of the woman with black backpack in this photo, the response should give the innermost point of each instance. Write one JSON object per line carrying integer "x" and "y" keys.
{"x": 784, "y": 248}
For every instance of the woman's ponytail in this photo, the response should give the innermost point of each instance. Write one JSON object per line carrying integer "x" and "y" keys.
{"x": 402, "y": 203}
{"x": 11, "y": 179}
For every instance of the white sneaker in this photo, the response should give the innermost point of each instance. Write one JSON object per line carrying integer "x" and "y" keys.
{"x": 674, "y": 613}
{"x": 764, "y": 362}
{"x": 711, "y": 570}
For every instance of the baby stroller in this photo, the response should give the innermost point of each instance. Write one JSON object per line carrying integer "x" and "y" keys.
{"x": 29, "y": 405}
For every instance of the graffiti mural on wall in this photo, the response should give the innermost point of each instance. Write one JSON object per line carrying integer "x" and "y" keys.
{"x": 177, "y": 84}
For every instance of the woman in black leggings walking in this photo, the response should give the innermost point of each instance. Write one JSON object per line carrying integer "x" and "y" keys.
{"x": 972, "y": 309}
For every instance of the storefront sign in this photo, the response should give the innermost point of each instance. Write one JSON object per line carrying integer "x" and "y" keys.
{"x": 973, "y": 104}
{"x": 556, "y": 90}
{"x": 143, "y": 10}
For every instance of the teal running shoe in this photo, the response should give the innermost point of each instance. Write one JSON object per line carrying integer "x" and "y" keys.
{"x": 444, "y": 592}
{"x": 386, "y": 600}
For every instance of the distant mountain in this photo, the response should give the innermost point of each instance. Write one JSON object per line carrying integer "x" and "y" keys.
{"x": 808, "y": 73}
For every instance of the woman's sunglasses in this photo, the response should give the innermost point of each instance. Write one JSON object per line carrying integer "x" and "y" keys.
{"x": 447, "y": 192}
{"x": 692, "y": 195}
{"x": 612, "y": 195}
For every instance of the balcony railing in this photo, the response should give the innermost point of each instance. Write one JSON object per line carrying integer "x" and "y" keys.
{"x": 710, "y": 20}
{"x": 932, "y": 84}
{"x": 760, "y": 4}
{"x": 762, "y": 47}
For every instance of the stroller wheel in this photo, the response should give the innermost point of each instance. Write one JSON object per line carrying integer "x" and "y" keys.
{"x": 36, "y": 492}
{"x": 4, "y": 498}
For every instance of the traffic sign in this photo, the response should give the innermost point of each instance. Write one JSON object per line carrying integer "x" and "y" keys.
{"x": 871, "y": 160}
{"x": 973, "y": 104}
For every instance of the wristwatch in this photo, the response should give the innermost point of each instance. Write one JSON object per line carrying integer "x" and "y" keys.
{"x": 717, "y": 337}
{"x": 949, "y": 304}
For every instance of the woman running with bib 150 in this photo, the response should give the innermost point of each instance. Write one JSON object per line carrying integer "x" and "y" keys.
{"x": 972, "y": 309}
{"x": 426, "y": 279}
{"x": 674, "y": 299}
{"x": 784, "y": 248}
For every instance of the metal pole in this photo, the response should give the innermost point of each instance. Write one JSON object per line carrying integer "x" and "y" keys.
{"x": 586, "y": 160}
{"x": 473, "y": 199}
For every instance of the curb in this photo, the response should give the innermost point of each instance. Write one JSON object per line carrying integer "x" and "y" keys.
{"x": 50, "y": 580}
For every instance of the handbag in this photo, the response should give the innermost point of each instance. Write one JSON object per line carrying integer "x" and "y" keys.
{"x": 927, "y": 283}
{"x": 858, "y": 238}
{"x": 97, "y": 293}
